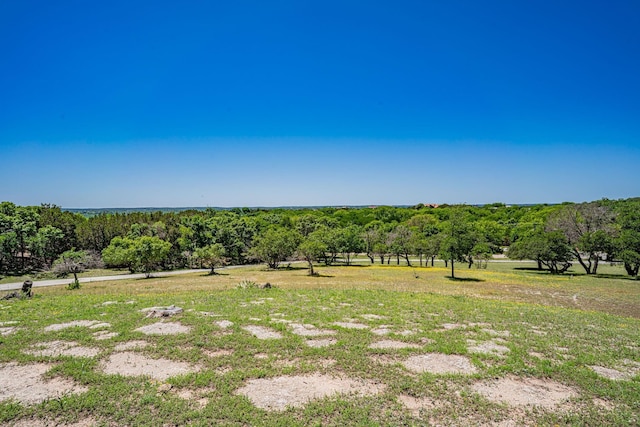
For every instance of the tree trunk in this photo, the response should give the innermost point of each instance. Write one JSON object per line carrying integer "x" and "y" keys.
{"x": 433, "y": 261}
{"x": 595, "y": 265}
{"x": 420, "y": 260}
{"x": 587, "y": 267}
{"x": 539, "y": 264}
{"x": 397, "y": 259}
{"x": 452, "y": 273}
{"x": 311, "y": 272}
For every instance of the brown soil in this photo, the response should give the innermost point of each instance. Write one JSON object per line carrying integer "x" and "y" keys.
{"x": 87, "y": 422}
{"x": 104, "y": 335}
{"x": 276, "y": 394}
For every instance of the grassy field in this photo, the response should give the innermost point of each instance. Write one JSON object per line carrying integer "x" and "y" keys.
{"x": 572, "y": 335}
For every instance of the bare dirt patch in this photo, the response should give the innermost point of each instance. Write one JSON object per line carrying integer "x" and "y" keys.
{"x": 131, "y": 364}
{"x": 438, "y": 363}
{"x": 199, "y": 397}
{"x": 372, "y": 317}
{"x": 37, "y": 422}
{"x": 525, "y": 392}
{"x": 622, "y": 373}
{"x": 351, "y": 325}
{"x": 262, "y": 333}
{"x": 309, "y": 330}
{"x": 381, "y": 331}
{"x": 7, "y": 330}
{"x": 76, "y": 323}
{"x": 27, "y": 385}
{"x": 390, "y": 344}
{"x": 223, "y": 324}
{"x": 162, "y": 328}
{"x": 61, "y": 348}
{"x": 323, "y": 342}
{"x": 276, "y": 394}
{"x": 104, "y": 335}
{"x": 415, "y": 405}
{"x": 487, "y": 347}
{"x": 129, "y": 345}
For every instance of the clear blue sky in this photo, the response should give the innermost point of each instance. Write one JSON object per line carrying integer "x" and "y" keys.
{"x": 271, "y": 103}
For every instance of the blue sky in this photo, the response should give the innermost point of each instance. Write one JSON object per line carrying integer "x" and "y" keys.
{"x": 254, "y": 103}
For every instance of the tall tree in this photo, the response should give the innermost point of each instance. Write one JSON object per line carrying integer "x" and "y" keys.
{"x": 458, "y": 239}
{"x": 589, "y": 230}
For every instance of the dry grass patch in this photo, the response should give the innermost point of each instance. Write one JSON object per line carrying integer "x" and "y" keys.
{"x": 487, "y": 347}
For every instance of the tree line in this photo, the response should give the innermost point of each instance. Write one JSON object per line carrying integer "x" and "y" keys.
{"x": 46, "y": 237}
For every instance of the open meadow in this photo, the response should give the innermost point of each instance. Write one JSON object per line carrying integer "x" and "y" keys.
{"x": 358, "y": 345}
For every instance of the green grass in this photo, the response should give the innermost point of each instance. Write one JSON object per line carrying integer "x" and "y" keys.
{"x": 49, "y": 275}
{"x": 601, "y": 326}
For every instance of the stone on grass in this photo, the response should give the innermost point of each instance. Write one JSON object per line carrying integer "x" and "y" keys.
{"x": 172, "y": 310}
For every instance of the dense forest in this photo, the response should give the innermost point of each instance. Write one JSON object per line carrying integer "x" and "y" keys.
{"x": 48, "y": 238}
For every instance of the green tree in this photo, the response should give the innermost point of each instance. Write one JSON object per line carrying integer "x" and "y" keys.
{"x": 72, "y": 262}
{"x": 275, "y": 245}
{"x": 211, "y": 256}
{"x": 311, "y": 249}
{"x": 549, "y": 249}
{"x": 148, "y": 252}
{"x": 458, "y": 239}
{"x": 589, "y": 230}
{"x": 119, "y": 253}
{"x": 47, "y": 244}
